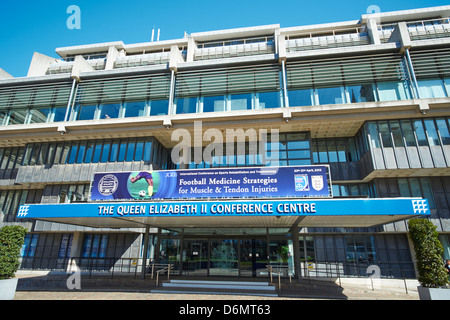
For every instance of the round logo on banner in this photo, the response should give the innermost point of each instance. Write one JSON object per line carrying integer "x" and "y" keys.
{"x": 108, "y": 184}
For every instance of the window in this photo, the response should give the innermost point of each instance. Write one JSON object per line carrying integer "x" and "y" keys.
{"x": 29, "y": 245}
{"x": 330, "y": 95}
{"x": 186, "y": 105}
{"x": 159, "y": 107}
{"x": 300, "y": 98}
{"x": 110, "y": 111}
{"x": 431, "y": 88}
{"x": 240, "y": 102}
{"x": 134, "y": 109}
{"x": 362, "y": 93}
{"x": 87, "y": 112}
{"x": 389, "y": 91}
{"x": 94, "y": 246}
{"x": 269, "y": 100}
{"x": 214, "y": 104}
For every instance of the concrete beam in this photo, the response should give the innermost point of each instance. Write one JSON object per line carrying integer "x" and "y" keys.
{"x": 111, "y": 57}
{"x": 5, "y": 75}
{"x": 401, "y": 36}
{"x": 40, "y": 64}
{"x": 80, "y": 65}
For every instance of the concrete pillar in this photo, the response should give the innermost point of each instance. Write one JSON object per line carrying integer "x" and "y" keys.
{"x": 192, "y": 46}
{"x": 39, "y": 65}
{"x": 5, "y": 75}
{"x": 401, "y": 35}
{"x": 372, "y": 28}
{"x": 296, "y": 246}
{"x": 144, "y": 256}
{"x": 80, "y": 65}
{"x": 111, "y": 57}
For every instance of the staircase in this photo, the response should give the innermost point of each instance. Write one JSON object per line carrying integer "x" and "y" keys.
{"x": 218, "y": 287}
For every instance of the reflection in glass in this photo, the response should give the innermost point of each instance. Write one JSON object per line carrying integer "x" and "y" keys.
{"x": 330, "y": 95}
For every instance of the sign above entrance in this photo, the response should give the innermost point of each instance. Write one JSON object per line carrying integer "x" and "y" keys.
{"x": 256, "y": 182}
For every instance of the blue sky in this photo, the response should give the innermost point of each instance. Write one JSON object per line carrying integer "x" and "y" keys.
{"x": 29, "y": 26}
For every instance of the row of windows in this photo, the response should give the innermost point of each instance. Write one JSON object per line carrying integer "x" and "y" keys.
{"x": 292, "y": 149}
{"x": 96, "y": 151}
{"x": 10, "y": 200}
{"x": 335, "y": 150}
{"x": 381, "y": 91}
{"x": 409, "y": 133}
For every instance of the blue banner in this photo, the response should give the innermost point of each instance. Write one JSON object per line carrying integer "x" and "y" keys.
{"x": 317, "y": 207}
{"x": 257, "y": 182}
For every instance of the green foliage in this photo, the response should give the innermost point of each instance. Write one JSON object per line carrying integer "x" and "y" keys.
{"x": 429, "y": 253}
{"x": 11, "y": 242}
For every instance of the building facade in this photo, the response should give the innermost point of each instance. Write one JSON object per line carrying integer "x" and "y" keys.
{"x": 369, "y": 98}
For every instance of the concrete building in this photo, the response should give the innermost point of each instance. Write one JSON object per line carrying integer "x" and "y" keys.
{"x": 369, "y": 100}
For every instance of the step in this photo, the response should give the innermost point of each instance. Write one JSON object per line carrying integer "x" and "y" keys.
{"x": 241, "y": 285}
{"x": 217, "y": 287}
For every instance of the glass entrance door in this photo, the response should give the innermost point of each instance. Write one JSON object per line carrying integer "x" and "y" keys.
{"x": 253, "y": 258}
{"x": 195, "y": 257}
{"x": 224, "y": 258}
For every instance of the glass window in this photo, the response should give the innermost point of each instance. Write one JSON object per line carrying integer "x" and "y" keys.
{"x": 373, "y": 133}
{"x": 298, "y": 98}
{"x": 147, "y": 150}
{"x": 433, "y": 138}
{"x": 330, "y": 95}
{"x": 139, "y": 149}
{"x": 159, "y": 107}
{"x": 89, "y": 151}
{"x": 332, "y": 152}
{"x": 396, "y": 133}
{"x": 114, "y": 150}
{"x": 443, "y": 131}
{"x": 105, "y": 152}
{"x": 110, "y": 111}
{"x": 341, "y": 148}
{"x": 17, "y": 116}
{"x": 122, "y": 150}
{"x": 186, "y": 105}
{"x": 40, "y": 115}
{"x": 59, "y": 113}
{"x": 97, "y": 152}
{"x": 73, "y": 153}
{"x": 420, "y": 133}
{"x": 403, "y": 187}
{"x": 86, "y": 112}
{"x": 240, "y": 102}
{"x": 431, "y": 88}
{"x": 130, "y": 151}
{"x": 269, "y": 100}
{"x": 408, "y": 133}
{"x": 213, "y": 104}
{"x": 81, "y": 151}
{"x": 134, "y": 109}
{"x": 385, "y": 134}
{"x": 389, "y": 91}
{"x": 322, "y": 149}
{"x": 363, "y": 93}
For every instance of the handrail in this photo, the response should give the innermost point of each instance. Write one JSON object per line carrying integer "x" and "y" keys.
{"x": 278, "y": 269}
{"x": 168, "y": 269}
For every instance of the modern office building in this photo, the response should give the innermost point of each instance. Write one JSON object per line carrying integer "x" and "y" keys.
{"x": 357, "y": 109}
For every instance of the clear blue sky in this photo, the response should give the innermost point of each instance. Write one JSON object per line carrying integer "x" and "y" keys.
{"x": 29, "y": 26}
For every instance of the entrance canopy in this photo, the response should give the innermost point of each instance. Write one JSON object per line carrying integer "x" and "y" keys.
{"x": 231, "y": 213}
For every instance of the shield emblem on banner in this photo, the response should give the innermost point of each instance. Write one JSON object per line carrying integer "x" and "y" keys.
{"x": 317, "y": 182}
{"x": 301, "y": 182}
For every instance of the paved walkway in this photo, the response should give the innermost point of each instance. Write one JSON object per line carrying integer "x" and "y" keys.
{"x": 32, "y": 287}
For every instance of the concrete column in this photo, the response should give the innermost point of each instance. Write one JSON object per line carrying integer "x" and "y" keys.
{"x": 39, "y": 65}
{"x": 296, "y": 246}
{"x": 144, "y": 256}
{"x": 190, "y": 50}
{"x": 111, "y": 57}
{"x": 401, "y": 35}
{"x": 372, "y": 29}
{"x": 5, "y": 75}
